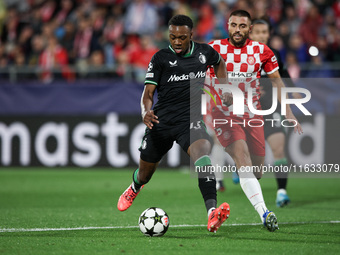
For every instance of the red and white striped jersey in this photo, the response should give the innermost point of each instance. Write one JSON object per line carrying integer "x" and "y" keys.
{"x": 244, "y": 66}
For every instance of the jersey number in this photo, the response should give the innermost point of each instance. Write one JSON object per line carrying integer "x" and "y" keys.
{"x": 195, "y": 125}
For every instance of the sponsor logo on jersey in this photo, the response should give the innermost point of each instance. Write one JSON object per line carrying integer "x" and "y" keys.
{"x": 149, "y": 75}
{"x": 273, "y": 59}
{"x": 172, "y": 64}
{"x": 241, "y": 75}
{"x": 251, "y": 60}
{"x": 184, "y": 77}
{"x": 202, "y": 58}
{"x": 150, "y": 67}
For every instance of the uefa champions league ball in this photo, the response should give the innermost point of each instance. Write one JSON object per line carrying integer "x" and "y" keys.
{"x": 153, "y": 222}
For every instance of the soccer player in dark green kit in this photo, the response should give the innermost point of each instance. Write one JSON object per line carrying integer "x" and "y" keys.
{"x": 171, "y": 71}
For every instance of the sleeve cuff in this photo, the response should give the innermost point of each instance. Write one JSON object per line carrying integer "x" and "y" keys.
{"x": 150, "y": 82}
{"x": 219, "y": 59}
{"x": 272, "y": 71}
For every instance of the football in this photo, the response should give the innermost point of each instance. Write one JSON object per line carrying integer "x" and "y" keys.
{"x": 153, "y": 222}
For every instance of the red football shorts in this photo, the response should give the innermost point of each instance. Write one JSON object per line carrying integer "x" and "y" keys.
{"x": 236, "y": 128}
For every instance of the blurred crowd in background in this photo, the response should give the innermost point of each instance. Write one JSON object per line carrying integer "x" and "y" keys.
{"x": 117, "y": 38}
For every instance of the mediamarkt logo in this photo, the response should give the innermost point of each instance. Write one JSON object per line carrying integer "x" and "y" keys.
{"x": 185, "y": 77}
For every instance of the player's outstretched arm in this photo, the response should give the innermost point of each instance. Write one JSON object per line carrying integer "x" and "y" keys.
{"x": 278, "y": 83}
{"x": 146, "y": 104}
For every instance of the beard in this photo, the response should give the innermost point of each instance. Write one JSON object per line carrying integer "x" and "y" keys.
{"x": 241, "y": 42}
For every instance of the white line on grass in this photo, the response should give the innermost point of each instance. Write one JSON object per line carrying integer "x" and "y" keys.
{"x": 2, "y": 230}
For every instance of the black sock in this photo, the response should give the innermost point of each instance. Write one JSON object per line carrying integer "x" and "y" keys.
{"x": 207, "y": 185}
{"x": 281, "y": 183}
{"x": 281, "y": 177}
{"x": 136, "y": 185}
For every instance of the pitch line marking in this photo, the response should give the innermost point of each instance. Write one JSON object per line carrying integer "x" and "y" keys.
{"x": 7, "y": 230}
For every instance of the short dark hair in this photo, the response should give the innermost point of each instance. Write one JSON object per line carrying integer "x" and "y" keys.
{"x": 240, "y": 13}
{"x": 181, "y": 20}
{"x": 260, "y": 21}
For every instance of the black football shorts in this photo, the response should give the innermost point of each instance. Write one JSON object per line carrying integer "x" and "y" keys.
{"x": 159, "y": 140}
{"x": 273, "y": 127}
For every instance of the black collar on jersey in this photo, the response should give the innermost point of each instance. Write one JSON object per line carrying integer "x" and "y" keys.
{"x": 189, "y": 53}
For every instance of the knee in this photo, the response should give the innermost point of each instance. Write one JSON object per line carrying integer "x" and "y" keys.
{"x": 241, "y": 156}
{"x": 278, "y": 151}
{"x": 238, "y": 151}
{"x": 200, "y": 148}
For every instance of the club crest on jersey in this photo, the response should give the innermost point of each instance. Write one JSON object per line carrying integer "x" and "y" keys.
{"x": 251, "y": 60}
{"x": 144, "y": 145}
{"x": 227, "y": 135}
{"x": 202, "y": 58}
{"x": 172, "y": 64}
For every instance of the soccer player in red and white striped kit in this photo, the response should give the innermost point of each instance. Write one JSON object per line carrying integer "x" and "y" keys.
{"x": 243, "y": 142}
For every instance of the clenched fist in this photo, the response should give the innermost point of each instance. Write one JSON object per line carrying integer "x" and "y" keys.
{"x": 227, "y": 99}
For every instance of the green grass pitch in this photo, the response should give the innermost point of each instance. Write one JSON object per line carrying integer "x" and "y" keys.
{"x": 71, "y": 198}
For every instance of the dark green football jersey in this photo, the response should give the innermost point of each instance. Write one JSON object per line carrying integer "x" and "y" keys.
{"x": 179, "y": 80}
